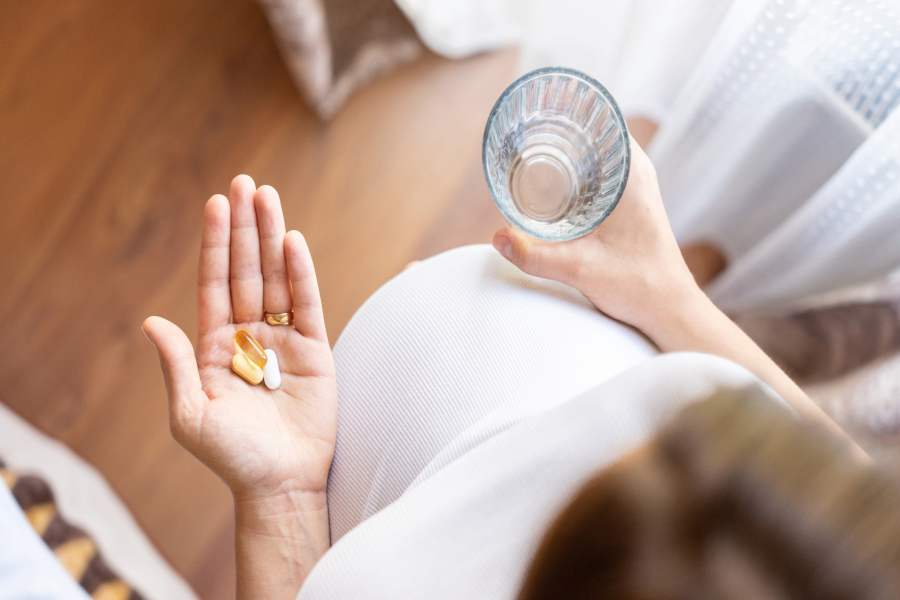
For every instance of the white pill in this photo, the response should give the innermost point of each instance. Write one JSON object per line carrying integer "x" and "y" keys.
{"x": 271, "y": 374}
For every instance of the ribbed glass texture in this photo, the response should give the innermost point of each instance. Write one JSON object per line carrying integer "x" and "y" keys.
{"x": 556, "y": 153}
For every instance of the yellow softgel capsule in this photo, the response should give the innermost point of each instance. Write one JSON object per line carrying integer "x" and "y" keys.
{"x": 250, "y": 348}
{"x": 241, "y": 365}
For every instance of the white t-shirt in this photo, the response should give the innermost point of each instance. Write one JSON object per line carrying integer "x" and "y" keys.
{"x": 474, "y": 401}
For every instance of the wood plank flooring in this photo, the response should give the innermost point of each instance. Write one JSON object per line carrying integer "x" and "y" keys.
{"x": 117, "y": 121}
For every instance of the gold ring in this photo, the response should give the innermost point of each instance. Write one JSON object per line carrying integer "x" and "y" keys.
{"x": 280, "y": 318}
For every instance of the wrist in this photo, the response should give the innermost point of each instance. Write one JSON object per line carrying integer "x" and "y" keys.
{"x": 278, "y": 539}
{"x": 295, "y": 516}
{"x": 683, "y": 320}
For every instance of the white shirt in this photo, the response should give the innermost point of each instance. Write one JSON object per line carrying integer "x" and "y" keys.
{"x": 474, "y": 401}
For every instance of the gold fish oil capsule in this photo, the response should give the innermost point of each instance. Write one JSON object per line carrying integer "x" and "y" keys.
{"x": 251, "y": 373}
{"x": 250, "y": 348}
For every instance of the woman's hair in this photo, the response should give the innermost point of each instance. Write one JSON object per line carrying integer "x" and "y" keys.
{"x": 736, "y": 499}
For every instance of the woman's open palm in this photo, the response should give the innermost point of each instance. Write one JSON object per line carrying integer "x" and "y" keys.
{"x": 259, "y": 441}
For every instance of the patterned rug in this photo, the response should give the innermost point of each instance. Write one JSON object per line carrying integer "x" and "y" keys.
{"x": 74, "y": 548}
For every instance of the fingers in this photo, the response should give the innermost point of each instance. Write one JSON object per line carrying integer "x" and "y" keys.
{"x": 246, "y": 273}
{"x": 642, "y": 174}
{"x": 176, "y": 355}
{"x": 213, "y": 292}
{"x": 270, "y": 220}
{"x": 308, "y": 317}
{"x": 526, "y": 253}
{"x": 559, "y": 261}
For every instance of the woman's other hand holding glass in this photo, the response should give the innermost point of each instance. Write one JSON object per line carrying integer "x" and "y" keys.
{"x": 632, "y": 269}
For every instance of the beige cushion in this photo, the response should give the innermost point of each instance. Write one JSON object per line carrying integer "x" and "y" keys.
{"x": 333, "y": 48}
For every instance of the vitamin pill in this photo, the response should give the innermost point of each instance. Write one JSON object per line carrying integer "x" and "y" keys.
{"x": 241, "y": 365}
{"x": 250, "y": 348}
{"x": 271, "y": 373}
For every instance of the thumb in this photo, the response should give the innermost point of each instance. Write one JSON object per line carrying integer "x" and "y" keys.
{"x": 532, "y": 256}
{"x": 176, "y": 356}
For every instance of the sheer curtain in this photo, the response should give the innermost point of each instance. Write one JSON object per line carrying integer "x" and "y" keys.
{"x": 782, "y": 150}
{"x": 641, "y": 50}
{"x": 778, "y": 137}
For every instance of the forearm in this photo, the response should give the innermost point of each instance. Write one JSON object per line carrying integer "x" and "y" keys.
{"x": 278, "y": 540}
{"x": 632, "y": 269}
{"x": 695, "y": 324}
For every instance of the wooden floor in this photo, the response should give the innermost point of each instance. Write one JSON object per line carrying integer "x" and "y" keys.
{"x": 117, "y": 121}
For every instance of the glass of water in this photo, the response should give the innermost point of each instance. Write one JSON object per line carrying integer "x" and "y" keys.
{"x": 556, "y": 153}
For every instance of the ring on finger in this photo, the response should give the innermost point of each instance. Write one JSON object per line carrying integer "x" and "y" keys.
{"x": 286, "y": 318}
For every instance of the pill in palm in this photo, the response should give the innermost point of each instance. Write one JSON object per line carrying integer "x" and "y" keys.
{"x": 250, "y": 372}
{"x": 250, "y": 348}
{"x": 271, "y": 372}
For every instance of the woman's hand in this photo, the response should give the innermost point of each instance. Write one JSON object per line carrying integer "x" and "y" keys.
{"x": 630, "y": 267}
{"x": 273, "y": 448}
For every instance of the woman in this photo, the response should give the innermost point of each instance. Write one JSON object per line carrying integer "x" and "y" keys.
{"x": 733, "y": 500}
{"x": 440, "y": 528}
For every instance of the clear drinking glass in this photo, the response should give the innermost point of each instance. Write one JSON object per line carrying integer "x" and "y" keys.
{"x": 556, "y": 153}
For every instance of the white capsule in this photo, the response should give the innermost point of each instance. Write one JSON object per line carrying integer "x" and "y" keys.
{"x": 271, "y": 374}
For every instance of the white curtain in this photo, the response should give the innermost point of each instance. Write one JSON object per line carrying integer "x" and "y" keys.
{"x": 641, "y": 50}
{"x": 782, "y": 150}
{"x": 778, "y": 140}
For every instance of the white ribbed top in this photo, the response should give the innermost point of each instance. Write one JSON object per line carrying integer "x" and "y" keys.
{"x": 474, "y": 400}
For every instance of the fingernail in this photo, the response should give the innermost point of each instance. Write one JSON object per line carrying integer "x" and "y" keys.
{"x": 148, "y": 338}
{"x": 504, "y": 246}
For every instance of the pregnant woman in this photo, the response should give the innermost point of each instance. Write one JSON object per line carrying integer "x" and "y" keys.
{"x": 467, "y": 403}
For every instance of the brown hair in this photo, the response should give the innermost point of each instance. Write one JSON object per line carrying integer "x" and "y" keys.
{"x": 736, "y": 499}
